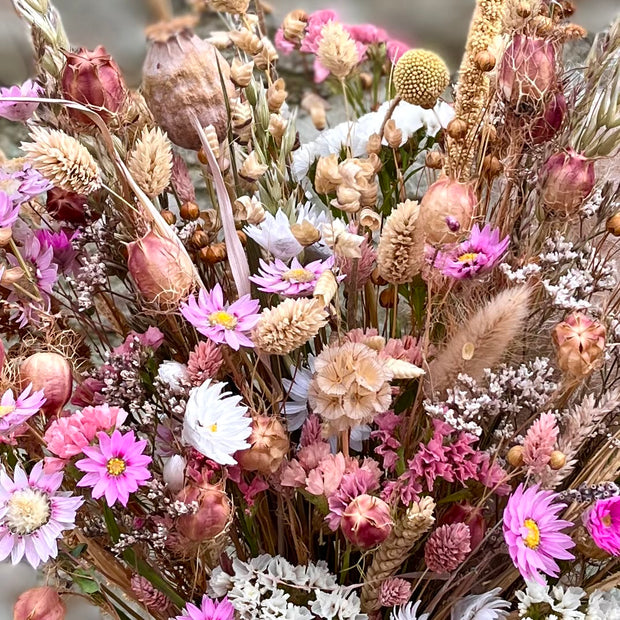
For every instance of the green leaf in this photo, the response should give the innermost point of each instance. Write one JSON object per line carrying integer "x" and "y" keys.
{"x": 405, "y": 400}
{"x": 85, "y": 581}
{"x": 111, "y": 524}
{"x": 77, "y": 551}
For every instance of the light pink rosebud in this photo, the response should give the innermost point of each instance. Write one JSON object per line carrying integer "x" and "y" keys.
{"x": 446, "y": 210}
{"x": 42, "y": 603}
{"x": 94, "y": 79}
{"x": 161, "y": 271}
{"x": 212, "y": 515}
{"x": 50, "y": 372}
{"x": 527, "y": 71}
{"x": 548, "y": 124}
{"x": 366, "y": 521}
{"x": 470, "y": 516}
{"x": 580, "y": 341}
{"x": 566, "y": 181}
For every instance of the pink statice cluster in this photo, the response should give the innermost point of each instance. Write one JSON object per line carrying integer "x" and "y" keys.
{"x": 387, "y": 443}
{"x": 364, "y": 36}
{"x": 539, "y": 443}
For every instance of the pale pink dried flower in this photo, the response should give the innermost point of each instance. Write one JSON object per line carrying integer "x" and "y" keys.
{"x": 181, "y": 181}
{"x": 365, "y": 264}
{"x": 540, "y": 442}
{"x": 325, "y": 479}
{"x": 204, "y": 362}
{"x": 394, "y": 591}
{"x": 447, "y": 547}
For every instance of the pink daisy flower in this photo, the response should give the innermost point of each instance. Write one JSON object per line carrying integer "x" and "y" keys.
{"x": 19, "y": 110}
{"x": 22, "y": 184}
{"x": 532, "y": 532}
{"x": 290, "y": 281}
{"x": 33, "y": 513}
{"x": 209, "y": 610}
{"x": 603, "y": 523}
{"x": 15, "y": 411}
{"x": 115, "y": 468}
{"x": 479, "y": 254}
{"x": 221, "y": 322}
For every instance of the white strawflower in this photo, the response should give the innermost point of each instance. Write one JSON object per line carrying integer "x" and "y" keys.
{"x": 174, "y": 375}
{"x": 487, "y": 606}
{"x": 604, "y": 605}
{"x": 567, "y": 602}
{"x": 408, "y": 612}
{"x": 215, "y": 424}
{"x": 274, "y": 235}
{"x": 174, "y": 473}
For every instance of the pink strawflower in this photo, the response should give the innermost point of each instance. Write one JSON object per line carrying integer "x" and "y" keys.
{"x": 314, "y": 29}
{"x": 64, "y": 254}
{"x": 478, "y": 255}
{"x": 394, "y": 591}
{"x": 603, "y": 523}
{"x": 19, "y": 110}
{"x": 221, "y": 322}
{"x": 204, "y": 362}
{"x": 22, "y": 184}
{"x": 209, "y": 610}
{"x": 395, "y": 49}
{"x": 539, "y": 443}
{"x": 67, "y": 437}
{"x": 532, "y": 532}
{"x": 359, "y": 482}
{"x": 9, "y": 211}
{"x": 116, "y": 467}
{"x": 447, "y": 547}
{"x": 292, "y": 281}
{"x": 367, "y": 34}
{"x": 15, "y": 411}
{"x": 33, "y": 514}
{"x": 325, "y": 478}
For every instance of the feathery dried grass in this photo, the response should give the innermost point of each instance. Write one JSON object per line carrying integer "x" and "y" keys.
{"x": 482, "y": 341}
{"x": 150, "y": 161}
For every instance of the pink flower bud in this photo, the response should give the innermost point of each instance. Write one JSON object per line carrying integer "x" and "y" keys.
{"x": 527, "y": 71}
{"x": 471, "y": 516}
{"x": 566, "y": 181}
{"x": 446, "y": 210}
{"x": 269, "y": 444}
{"x": 66, "y": 206}
{"x": 366, "y": 521}
{"x": 212, "y": 515}
{"x": 547, "y": 125}
{"x": 95, "y": 80}
{"x": 161, "y": 271}
{"x": 39, "y": 604}
{"x": 580, "y": 341}
{"x": 50, "y": 372}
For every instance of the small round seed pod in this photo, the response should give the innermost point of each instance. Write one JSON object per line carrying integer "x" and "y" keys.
{"x": 613, "y": 224}
{"x": 457, "y": 128}
{"x": 212, "y": 254}
{"x": 169, "y": 216}
{"x": 485, "y": 61}
{"x": 386, "y": 298}
{"x": 189, "y": 211}
{"x": 515, "y": 456}
{"x": 434, "y": 160}
{"x": 557, "y": 460}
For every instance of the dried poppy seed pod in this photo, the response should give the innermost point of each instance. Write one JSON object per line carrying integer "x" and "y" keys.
{"x": 549, "y": 123}
{"x": 580, "y": 342}
{"x": 93, "y": 78}
{"x": 160, "y": 270}
{"x": 566, "y": 181}
{"x": 366, "y": 521}
{"x": 42, "y": 603}
{"x": 185, "y": 76}
{"x": 212, "y": 515}
{"x": 527, "y": 71}
{"x": 50, "y": 372}
{"x": 613, "y": 224}
{"x": 269, "y": 444}
{"x": 446, "y": 210}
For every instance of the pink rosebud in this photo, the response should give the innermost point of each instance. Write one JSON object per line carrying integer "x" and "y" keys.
{"x": 212, "y": 515}
{"x": 39, "y": 604}
{"x": 50, "y": 372}
{"x": 566, "y": 181}
{"x": 470, "y": 516}
{"x": 548, "y": 124}
{"x": 366, "y": 521}
{"x": 603, "y": 523}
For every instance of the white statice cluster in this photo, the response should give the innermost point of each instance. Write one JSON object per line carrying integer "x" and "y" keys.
{"x": 271, "y": 588}
{"x": 355, "y": 134}
{"x": 593, "y": 204}
{"x": 557, "y": 603}
{"x": 509, "y": 390}
{"x": 604, "y": 605}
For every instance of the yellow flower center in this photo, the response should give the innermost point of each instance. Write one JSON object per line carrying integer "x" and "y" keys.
{"x": 606, "y": 520}
{"x": 226, "y": 320}
{"x": 116, "y": 466}
{"x": 27, "y": 511}
{"x": 6, "y": 409}
{"x": 469, "y": 257}
{"x": 298, "y": 275}
{"x": 532, "y": 540}
{"x": 213, "y": 428}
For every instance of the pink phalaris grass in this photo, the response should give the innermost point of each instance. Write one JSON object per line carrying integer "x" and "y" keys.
{"x": 204, "y": 362}
{"x": 181, "y": 181}
{"x": 148, "y": 595}
{"x": 540, "y": 442}
{"x": 603, "y": 523}
{"x": 447, "y": 548}
{"x": 394, "y": 591}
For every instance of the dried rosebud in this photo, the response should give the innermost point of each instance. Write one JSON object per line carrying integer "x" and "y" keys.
{"x": 527, "y": 71}
{"x": 161, "y": 271}
{"x": 212, "y": 515}
{"x": 470, "y": 516}
{"x": 366, "y": 521}
{"x": 580, "y": 341}
{"x": 50, "y": 372}
{"x": 66, "y": 206}
{"x": 269, "y": 444}
{"x": 566, "y": 181}
{"x": 42, "y": 603}
{"x": 446, "y": 210}
{"x": 548, "y": 124}
{"x": 515, "y": 456}
{"x": 93, "y": 78}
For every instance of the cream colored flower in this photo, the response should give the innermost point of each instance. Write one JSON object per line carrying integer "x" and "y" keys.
{"x": 341, "y": 241}
{"x": 337, "y": 50}
{"x": 150, "y": 161}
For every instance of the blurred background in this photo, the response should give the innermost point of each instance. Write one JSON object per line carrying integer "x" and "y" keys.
{"x": 440, "y": 25}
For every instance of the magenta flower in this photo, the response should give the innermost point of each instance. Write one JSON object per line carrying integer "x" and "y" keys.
{"x": 9, "y": 211}
{"x": 395, "y": 49}
{"x": 603, "y": 523}
{"x": 19, "y": 110}
{"x": 479, "y": 254}
{"x": 64, "y": 254}
{"x": 22, "y": 184}
{"x": 15, "y": 411}
{"x": 290, "y": 281}
{"x": 532, "y": 532}
{"x": 116, "y": 467}
{"x": 33, "y": 513}
{"x": 222, "y": 322}
{"x": 209, "y": 610}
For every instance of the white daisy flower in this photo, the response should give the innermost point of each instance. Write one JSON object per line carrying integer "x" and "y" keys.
{"x": 215, "y": 424}
{"x": 604, "y": 605}
{"x": 274, "y": 235}
{"x": 486, "y": 606}
{"x": 408, "y": 612}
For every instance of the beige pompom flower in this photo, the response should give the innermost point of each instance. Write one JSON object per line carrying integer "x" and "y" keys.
{"x": 289, "y": 326}
{"x": 63, "y": 161}
{"x": 401, "y": 248}
{"x": 350, "y": 387}
{"x": 150, "y": 161}
{"x": 420, "y": 77}
{"x": 337, "y": 50}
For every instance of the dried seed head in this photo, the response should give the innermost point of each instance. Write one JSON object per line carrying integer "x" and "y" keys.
{"x": 62, "y": 160}
{"x": 251, "y": 170}
{"x": 267, "y": 55}
{"x": 211, "y": 220}
{"x": 393, "y": 135}
{"x": 434, "y": 160}
{"x": 580, "y": 341}
{"x": 235, "y": 7}
{"x": 249, "y": 209}
{"x": 373, "y": 147}
{"x": 305, "y": 233}
{"x": 557, "y": 460}
{"x": 241, "y": 72}
{"x": 246, "y": 41}
{"x": 485, "y": 61}
{"x": 326, "y": 287}
{"x": 276, "y": 95}
{"x": 370, "y": 219}
{"x": 327, "y": 177}
{"x": 337, "y": 51}
{"x": 613, "y": 224}
{"x": 491, "y": 166}
{"x": 294, "y": 26}
{"x": 269, "y": 443}
{"x": 277, "y": 127}
{"x": 189, "y": 211}
{"x": 150, "y": 161}
{"x": 420, "y": 77}
{"x": 515, "y": 456}
{"x": 457, "y": 128}
{"x": 212, "y": 254}
{"x": 169, "y": 217}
